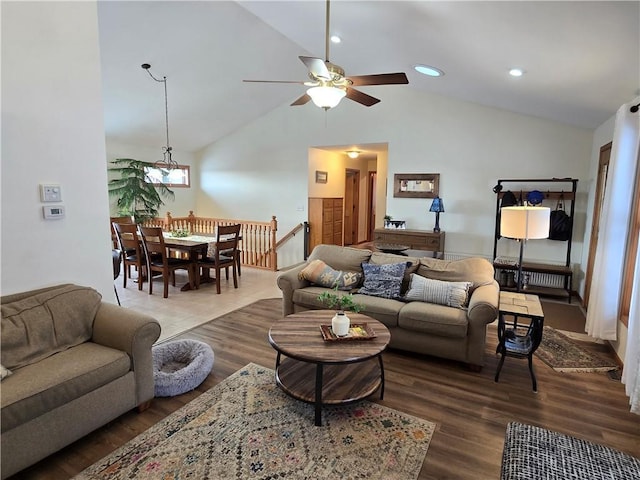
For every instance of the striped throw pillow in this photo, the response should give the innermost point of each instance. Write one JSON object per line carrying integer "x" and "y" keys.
{"x": 451, "y": 294}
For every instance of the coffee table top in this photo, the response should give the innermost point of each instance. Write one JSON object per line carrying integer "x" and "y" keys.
{"x": 298, "y": 336}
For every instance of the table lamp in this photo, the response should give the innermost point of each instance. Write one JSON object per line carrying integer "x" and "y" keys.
{"x": 524, "y": 223}
{"x": 437, "y": 206}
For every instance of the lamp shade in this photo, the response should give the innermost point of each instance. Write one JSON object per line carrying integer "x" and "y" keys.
{"x": 524, "y": 222}
{"x": 326, "y": 97}
{"x": 437, "y": 205}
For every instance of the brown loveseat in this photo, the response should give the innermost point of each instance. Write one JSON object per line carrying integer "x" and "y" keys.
{"x": 456, "y": 333}
{"x": 76, "y": 363}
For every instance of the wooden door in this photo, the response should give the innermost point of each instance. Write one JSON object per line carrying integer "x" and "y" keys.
{"x": 351, "y": 206}
{"x": 603, "y": 168}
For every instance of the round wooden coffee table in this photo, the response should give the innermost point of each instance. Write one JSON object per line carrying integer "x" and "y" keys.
{"x": 353, "y": 368}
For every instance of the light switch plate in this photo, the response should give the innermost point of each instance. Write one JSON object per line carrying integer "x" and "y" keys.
{"x": 50, "y": 193}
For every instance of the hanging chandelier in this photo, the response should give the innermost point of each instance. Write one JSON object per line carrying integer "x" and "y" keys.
{"x": 167, "y": 163}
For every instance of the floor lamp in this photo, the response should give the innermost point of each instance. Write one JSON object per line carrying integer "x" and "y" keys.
{"x": 524, "y": 223}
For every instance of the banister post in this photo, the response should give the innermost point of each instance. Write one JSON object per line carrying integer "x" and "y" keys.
{"x": 192, "y": 221}
{"x": 272, "y": 249}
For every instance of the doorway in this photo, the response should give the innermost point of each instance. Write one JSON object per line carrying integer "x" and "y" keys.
{"x": 603, "y": 168}
{"x": 351, "y": 206}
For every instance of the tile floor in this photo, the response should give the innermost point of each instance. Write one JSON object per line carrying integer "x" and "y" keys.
{"x": 184, "y": 310}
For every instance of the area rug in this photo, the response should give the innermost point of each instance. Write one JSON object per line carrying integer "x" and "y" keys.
{"x": 247, "y": 428}
{"x": 564, "y": 355}
{"x": 532, "y": 453}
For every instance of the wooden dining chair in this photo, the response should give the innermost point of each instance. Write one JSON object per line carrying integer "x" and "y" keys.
{"x": 132, "y": 252}
{"x": 114, "y": 236}
{"x": 158, "y": 259}
{"x": 225, "y": 255}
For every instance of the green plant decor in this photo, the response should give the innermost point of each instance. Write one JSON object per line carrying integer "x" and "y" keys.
{"x": 136, "y": 195}
{"x": 340, "y": 301}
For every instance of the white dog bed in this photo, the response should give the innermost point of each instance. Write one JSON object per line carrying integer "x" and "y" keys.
{"x": 180, "y": 366}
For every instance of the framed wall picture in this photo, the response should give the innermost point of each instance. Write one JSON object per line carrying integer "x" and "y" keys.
{"x": 321, "y": 177}
{"x": 416, "y": 185}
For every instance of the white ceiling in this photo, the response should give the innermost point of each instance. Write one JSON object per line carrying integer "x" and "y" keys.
{"x": 582, "y": 58}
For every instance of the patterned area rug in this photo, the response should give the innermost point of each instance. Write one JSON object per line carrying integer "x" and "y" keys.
{"x": 563, "y": 355}
{"x": 536, "y": 453}
{"x": 247, "y": 428}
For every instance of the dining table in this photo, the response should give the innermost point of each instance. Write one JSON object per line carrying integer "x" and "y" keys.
{"x": 193, "y": 245}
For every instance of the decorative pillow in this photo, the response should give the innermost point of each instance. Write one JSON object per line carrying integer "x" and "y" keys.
{"x": 451, "y": 294}
{"x": 383, "y": 280}
{"x": 4, "y": 372}
{"x": 319, "y": 273}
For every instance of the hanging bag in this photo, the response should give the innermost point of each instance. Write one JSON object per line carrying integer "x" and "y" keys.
{"x": 559, "y": 222}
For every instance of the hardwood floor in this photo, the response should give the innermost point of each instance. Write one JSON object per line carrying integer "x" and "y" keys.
{"x": 471, "y": 410}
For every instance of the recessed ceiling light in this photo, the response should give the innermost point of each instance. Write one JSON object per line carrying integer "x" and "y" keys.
{"x": 335, "y": 39}
{"x": 516, "y": 72}
{"x": 428, "y": 70}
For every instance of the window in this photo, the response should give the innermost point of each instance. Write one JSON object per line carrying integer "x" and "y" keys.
{"x": 176, "y": 177}
{"x": 632, "y": 253}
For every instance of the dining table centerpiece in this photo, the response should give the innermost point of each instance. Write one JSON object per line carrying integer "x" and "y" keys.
{"x": 341, "y": 302}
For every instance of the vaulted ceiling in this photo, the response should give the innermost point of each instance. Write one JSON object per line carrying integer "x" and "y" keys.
{"x": 582, "y": 59}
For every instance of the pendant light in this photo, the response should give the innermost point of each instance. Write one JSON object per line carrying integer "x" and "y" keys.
{"x": 167, "y": 163}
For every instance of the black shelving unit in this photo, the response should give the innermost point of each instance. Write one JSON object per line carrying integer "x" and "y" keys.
{"x": 552, "y": 189}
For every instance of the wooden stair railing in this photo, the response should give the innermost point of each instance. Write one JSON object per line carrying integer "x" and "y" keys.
{"x": 258, "y": 238}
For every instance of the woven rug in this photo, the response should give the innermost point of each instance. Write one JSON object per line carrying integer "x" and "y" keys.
{"x": 247, "y": 428}
{"x": 532, "y": 453}
{"x": 564, "y": 355}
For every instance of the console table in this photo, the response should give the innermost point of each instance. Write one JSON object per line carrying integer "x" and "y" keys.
{"x": 414, "y": 239}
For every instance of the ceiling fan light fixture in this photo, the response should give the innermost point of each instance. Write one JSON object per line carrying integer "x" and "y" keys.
{"x": 353, "y": 153}
{"x": 326, "y": 96}
{"x": 428, "y": 70}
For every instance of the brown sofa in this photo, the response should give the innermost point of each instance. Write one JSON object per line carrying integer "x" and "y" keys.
{"x": 76, "y": 363}
{"x": 415, "y": 326}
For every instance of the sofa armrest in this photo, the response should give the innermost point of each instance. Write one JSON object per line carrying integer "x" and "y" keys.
{"x": 288, "y": 281}
{"x": 131, "y": 332}
{"x": 483, "y": 304}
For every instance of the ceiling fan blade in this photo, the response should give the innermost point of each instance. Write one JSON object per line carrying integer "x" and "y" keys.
{"x": 274, "y": 81}
{"x": 317, "y": 67}
{"x": 380, "y": 79}
{"x": 361, "y": 97}
{"x": 302, "y": 100}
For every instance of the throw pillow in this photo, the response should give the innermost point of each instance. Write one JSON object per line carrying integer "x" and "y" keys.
{"x": 319, "y": 273}
{"x": 383, "y": 280}
{"x": 4, "y": 372}
{"x": 451, "y": 294}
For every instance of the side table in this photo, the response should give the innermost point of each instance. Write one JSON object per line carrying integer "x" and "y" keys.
{"x": 519, "y": 341}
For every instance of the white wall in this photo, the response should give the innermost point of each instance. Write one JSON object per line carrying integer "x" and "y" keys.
{"x": 471, "y": 146}
{"x": 185, "y": 198}
{"x": 52, "y": 131}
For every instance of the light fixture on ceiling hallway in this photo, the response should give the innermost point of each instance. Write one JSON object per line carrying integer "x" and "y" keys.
{"x": 167, "y": 163}
{"x": 353, "y": 153}
{"x": 326, "y": 96}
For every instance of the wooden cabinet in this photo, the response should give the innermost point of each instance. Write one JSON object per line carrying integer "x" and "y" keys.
{"x": 414, "y": 239}
{"x": 325, "y": 221}
{"x": 553, "y": 189}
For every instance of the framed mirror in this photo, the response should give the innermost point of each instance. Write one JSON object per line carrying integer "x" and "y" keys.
{"x": 416, "y": 185}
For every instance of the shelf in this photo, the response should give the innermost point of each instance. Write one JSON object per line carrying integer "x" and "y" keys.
{"x": 536, "y": 267}
{"x": 537, "y": 290}
{"x": 552, "y": 190}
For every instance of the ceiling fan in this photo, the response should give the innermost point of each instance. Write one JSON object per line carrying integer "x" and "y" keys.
{"x": 328, "y": 83}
